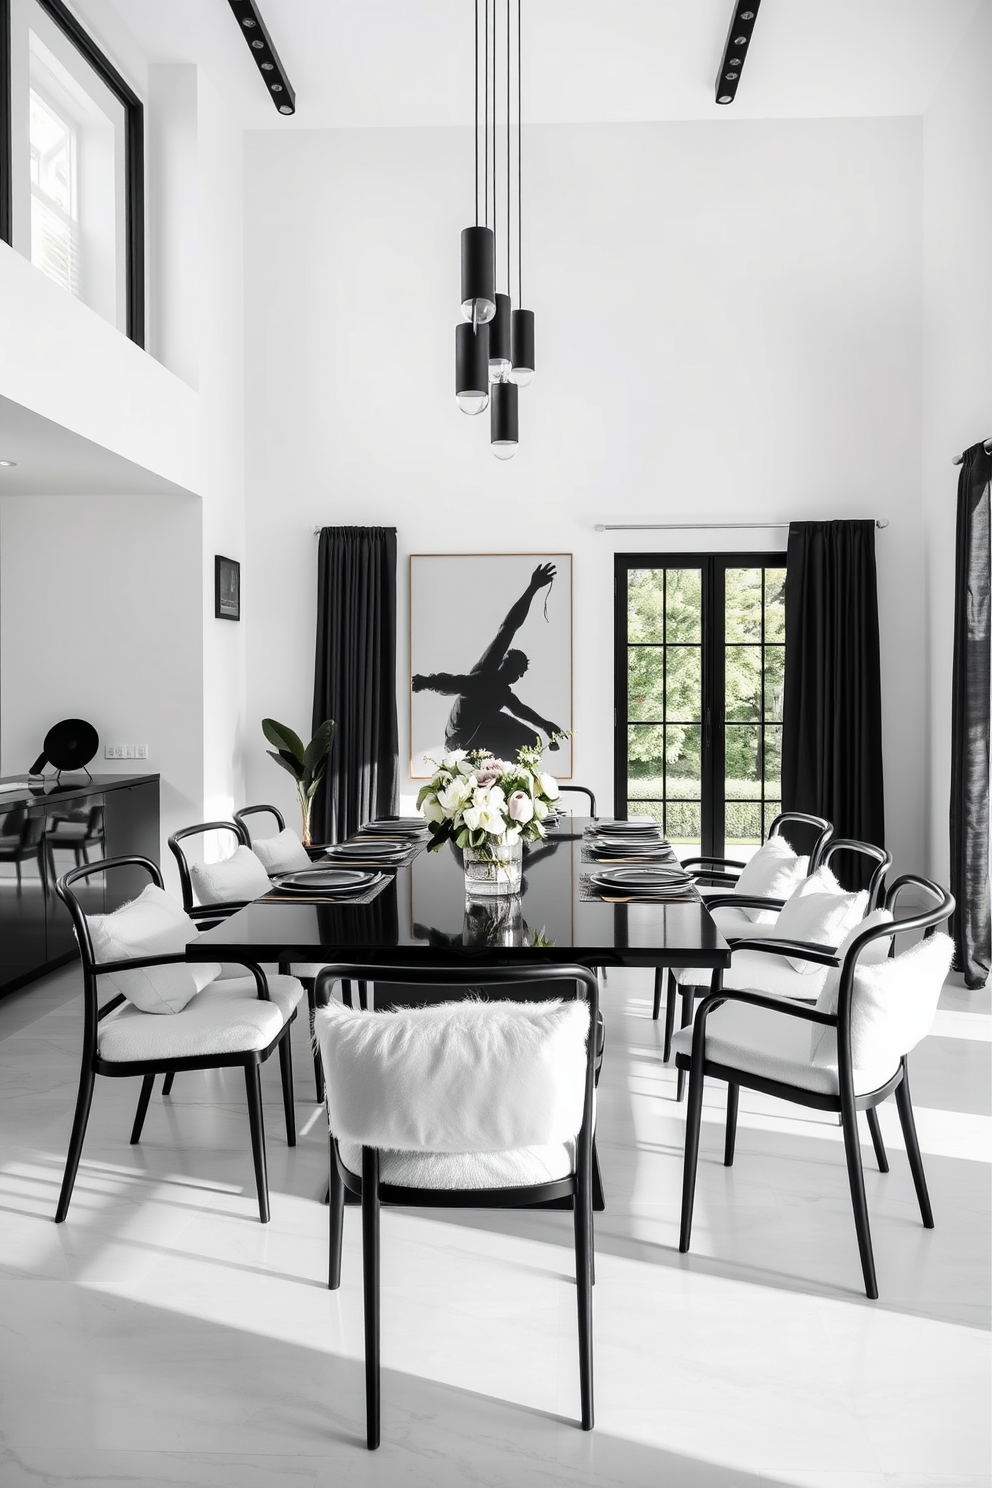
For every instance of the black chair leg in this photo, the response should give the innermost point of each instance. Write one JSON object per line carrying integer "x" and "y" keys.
{"x": 84, "y": 1099}
{"x": 693, "y": 1119}
{"x": 669, "y": 1014}
{"x": 906, "y": 1120}
{"x": 876, "y": 1140}
{"x": 730, "y": 1141}
{"x": 253, "y": 1089}
{"x": 147, "y": 1084}
{"x": 582, "y": 1217}
{"x": 659, "y": 981}
{"x": 286, "y": 1074}
{"x": 370, "y": 1272}
{"x": 598, "y": 1195}
{"x": 856, "y": 1178}
{"x": 687, "y": 994}
{"x": 318, "y": 1068}
{"x": 335, "y": 1221}
{"x": 167, "y": 1087}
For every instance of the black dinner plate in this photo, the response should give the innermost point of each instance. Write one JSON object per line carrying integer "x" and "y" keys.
{"x": 641, "y": 879}
{"x": 397, "y": 826}
{"x": 629, "y": 829}
{"x": 369, "y": 849}
{"x": 327, "y": 880}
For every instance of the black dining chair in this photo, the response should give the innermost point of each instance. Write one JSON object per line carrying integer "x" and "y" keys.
{"x": 440, "y": 1097}
{"x": 581, "y": 790}
{"x": 225, "y": 1024}
{"x": 751, "y": 1038}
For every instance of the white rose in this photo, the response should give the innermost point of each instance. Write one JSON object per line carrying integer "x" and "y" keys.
{"x": 540, "y": 809}
{"x": 453, "y": 760}
{"x": 521, "y": 807}
{"x": 432, "y": 811}
{"x": 455, "y": 794}
{"x": 549, "y": 786}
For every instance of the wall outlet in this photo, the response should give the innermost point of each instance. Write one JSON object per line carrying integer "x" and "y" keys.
{"x": 141, "y": 751}
{"x": 125, "y": 751}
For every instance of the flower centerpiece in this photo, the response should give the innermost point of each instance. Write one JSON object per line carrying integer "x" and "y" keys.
{"x": 489, "y": 808}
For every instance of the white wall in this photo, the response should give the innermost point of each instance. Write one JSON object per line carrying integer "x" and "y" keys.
{"x": 728, "y": 323}
{"x": 101, "y": 616}
{"x": 957, "y": 222}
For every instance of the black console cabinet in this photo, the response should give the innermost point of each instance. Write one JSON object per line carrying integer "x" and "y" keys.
{"x": 48, "y": 829}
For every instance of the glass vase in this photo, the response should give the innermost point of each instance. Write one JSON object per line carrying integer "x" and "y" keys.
{"x": 494, "y": 869}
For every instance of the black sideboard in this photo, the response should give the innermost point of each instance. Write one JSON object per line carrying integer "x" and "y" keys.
{"x": 49, "y": 828}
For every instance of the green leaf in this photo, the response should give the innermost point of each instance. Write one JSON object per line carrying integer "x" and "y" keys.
{"x": 287, "y": 761}
{"x": 319, "y": 747}
{"x": 283, "y": 738}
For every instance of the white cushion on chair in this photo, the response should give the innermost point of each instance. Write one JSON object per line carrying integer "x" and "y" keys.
{"x": 893, "y": 1002}
{"x": 455, "y": 1077}
{"x": 775, "y": 1047}
{"x": 820, "y": 912}
{"x": 283, "y": 853}
{"x": 154, "y": 924}
{"x": 767, "y": 973}
{"x": 520, "y": 1167}
{"x": 239, "y": 877}
{"x": 227, "y": 1017}
{"x": 771, "y": 873}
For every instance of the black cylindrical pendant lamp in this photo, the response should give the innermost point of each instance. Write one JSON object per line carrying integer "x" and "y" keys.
{"x": 478, "y": 274}
{"x": 504, "y": 427}
{"x": 522, "y": 347}
{"x": 500, "y": 337}
{"x": 471, "y": 367}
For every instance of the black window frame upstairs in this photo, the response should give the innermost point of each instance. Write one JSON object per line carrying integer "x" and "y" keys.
{"x": 713, "y": 644}
{"x": 134, "y": 152}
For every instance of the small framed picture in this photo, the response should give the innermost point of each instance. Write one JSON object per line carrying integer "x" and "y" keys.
{"x": 227, "y": 588}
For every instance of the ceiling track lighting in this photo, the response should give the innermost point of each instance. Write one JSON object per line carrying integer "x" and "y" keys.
{"x": 264, "y": 55}
{"x": 494, "y": 346}
{"x": 736, "y": 50}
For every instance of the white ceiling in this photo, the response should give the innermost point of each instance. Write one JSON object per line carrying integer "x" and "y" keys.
{"x": 375, "y": 63}
{"x": 54, "y": 461}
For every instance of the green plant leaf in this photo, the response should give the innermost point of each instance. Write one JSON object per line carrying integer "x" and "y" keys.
{"x": 283, "y": 738}
{"x": 319, "y": 747}
{"x": 287, "y": 761}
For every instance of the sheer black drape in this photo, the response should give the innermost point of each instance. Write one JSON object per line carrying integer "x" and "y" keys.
{"x": 832, "y": 708}
{"x": 355, "y": 677}
{"x": 970, "y": 723}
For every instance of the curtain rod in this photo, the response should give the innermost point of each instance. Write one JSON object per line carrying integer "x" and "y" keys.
{"x": 959, "y": 459}
{"x": 696, "y": 526}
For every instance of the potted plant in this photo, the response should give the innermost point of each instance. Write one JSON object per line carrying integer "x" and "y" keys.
{"x": 306, "y": 765}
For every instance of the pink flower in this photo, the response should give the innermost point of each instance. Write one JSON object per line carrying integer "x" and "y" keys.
{"x": 521, "y": 807}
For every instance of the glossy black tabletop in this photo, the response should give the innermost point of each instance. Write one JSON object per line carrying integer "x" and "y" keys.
{"x": 423, "y": 909}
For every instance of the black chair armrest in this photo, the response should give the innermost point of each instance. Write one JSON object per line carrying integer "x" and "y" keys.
{"x": 743, "y": 901}
{"x": 770, "y": 1000}
{"x": 716, "y": 862}
{"x": 808, "y": 950}
{"x": 216, "y": 912}
{"x": 135, "y": 963}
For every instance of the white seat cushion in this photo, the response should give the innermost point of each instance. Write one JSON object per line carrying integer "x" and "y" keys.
{"x": 154, "y": 924}
{"x": 518, "y": 1167}
{"x": 283, "y": 853}
{"x": 240, "y": 877}
{"x": 776, "y": 1047}
{"x": 227, "y": 1017}
{"x": 455, "y": 1077}
{"x": 767, "y": 973}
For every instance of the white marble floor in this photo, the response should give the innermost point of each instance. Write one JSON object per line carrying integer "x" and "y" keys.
{"x": 162, "y": 1336}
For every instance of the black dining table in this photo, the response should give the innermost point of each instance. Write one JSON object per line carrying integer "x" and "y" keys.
{"x": 422, "y": 916}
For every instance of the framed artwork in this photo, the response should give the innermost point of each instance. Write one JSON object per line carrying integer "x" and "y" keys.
{"x": 227, "y": 588}
{"x": 490, "y": 655}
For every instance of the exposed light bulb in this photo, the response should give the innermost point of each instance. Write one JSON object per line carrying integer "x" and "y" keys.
{"x": 504, "y": 449}
{"x": 473, "y": 402}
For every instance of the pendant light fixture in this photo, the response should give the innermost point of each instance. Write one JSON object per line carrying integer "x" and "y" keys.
{"x": 478, "y": 277}
{"x": 522, "y": 321}
{"x": 494, "y": 345}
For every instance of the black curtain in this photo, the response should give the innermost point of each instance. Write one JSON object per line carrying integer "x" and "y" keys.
{"x": 832, "y": 707}
{"x": 355, "y": 677}
{"x": 970, "y": 723}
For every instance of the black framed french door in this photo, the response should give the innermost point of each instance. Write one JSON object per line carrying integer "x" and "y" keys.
{"x": 699, "y": 673}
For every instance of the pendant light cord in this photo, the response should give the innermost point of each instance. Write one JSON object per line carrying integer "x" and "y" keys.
{"x": 486, "y": 126}
{"x": 475, "y": 62}
{"x": 520, "y": 217}
{"x": 509, "y": 293}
